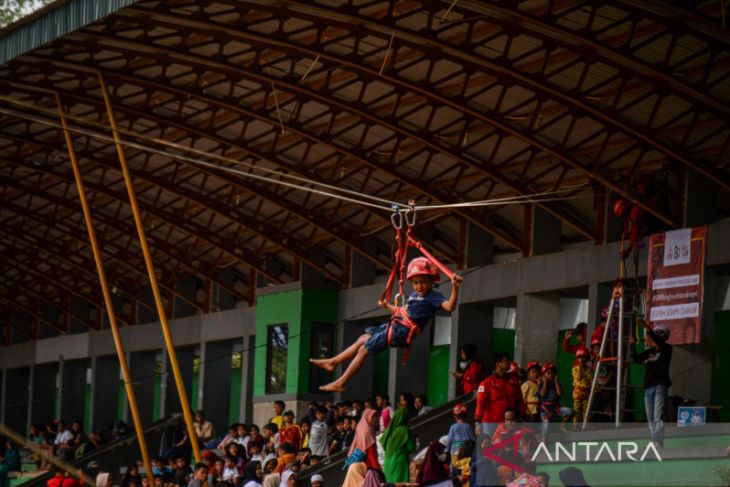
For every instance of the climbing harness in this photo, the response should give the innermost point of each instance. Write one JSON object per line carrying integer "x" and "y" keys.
{"x": 399, "y": 219}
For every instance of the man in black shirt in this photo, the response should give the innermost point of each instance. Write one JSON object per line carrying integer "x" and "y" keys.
{"x": 657, "y": 358}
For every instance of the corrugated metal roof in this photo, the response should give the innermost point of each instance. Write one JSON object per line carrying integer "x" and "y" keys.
{"x": 52, "y": 22}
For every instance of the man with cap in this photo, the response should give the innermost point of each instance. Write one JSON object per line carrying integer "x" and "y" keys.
{"x": 657, "y": 357}
{"x": 317, "y": 480}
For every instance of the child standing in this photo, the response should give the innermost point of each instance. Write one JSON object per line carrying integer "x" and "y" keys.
{"x": 460, "y": 432}
{"x": 549, "y": 394}
{"x": 582, "y": 378}
{"x": 278, "y": 418}
{"x": 290, "y": 432}
{"x": 382, "y": 401}
{"x": 421, "y": 306}
{"x": 529, "y": 391}
{"x": 318, "y": 435}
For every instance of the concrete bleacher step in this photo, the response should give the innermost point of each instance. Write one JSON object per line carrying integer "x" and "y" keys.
{"x": 426, "y": 428}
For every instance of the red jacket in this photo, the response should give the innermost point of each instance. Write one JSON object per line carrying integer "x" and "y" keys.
{"x": 60, "y": 480}
{"x": 473, "y": 375}
{"x": 497, "y": 393}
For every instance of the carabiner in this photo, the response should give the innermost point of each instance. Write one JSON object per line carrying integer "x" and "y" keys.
{"x": 396, "y": 218}
{"x": 411, "y": 214}
{"x": 402, "y": 300}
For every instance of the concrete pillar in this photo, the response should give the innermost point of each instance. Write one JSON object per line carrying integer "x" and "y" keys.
{"x": 471, "y": 323}
{"x": 17, "y": 398}
{"x": 538, "y": 324}
{"x": 73, "y": 389}
{"x": 545, "y": 232}
{"x": 248, "y": 361}
{"x": 412, "y": 377}
{"x": 479, "y": 246}
{"x": 216, "y": 382}
{"x": 700, "y": 200}
{"x": 43, "y": 398}
{"x": 105, "y": 395}
{"x": 142, "y": 370}
{"x": 185, "y": 357}
{"x": 361, "y": 385}
{"x": 599, "y": 296}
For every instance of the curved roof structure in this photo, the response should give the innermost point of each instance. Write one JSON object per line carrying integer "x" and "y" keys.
{"x": 441, "y": 102}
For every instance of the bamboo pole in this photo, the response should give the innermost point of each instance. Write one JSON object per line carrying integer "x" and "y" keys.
{"x": 131, "y": 396}
{"x": 151, "y": 273}
{"x": 68, "y": 468}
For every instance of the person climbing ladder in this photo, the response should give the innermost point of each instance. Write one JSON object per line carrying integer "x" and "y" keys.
{"x": 421, "y": 305}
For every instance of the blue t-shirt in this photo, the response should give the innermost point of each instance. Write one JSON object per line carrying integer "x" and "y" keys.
{"x": 421, "y": 309}
{"x": 551, "y": 396}
{"x": 459, "y": 433}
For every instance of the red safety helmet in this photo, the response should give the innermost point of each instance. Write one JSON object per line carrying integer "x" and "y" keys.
{"x": 547, "y": 366}
{"x": 514, "y": 368}
{"x": 620, "y": 207}
{"x": 460, "y": 408}
{"x": 582, "y": 352}
{"x": 421, "y": 266}
{"x": 596, "y": 341}
{"x": 533, "y": 364}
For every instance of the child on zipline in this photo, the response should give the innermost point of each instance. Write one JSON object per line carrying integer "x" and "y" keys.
{"x": 421, "y": 305}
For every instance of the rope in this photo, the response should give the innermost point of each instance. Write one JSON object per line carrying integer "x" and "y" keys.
{"x": 542, "y": 197}
{"x": 187, "y": 149}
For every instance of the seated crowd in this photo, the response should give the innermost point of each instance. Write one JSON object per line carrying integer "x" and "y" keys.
{"x": 514, "y": 410}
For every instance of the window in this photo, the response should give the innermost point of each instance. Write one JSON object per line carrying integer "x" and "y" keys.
{"x": 277, "y": 341}
{"x": 322, "y": 346}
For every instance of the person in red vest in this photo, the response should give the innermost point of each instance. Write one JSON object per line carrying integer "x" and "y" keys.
{"x": 495, "y": 394}
{"x": 471, "y": 370}
{"x": 60, "y": 479}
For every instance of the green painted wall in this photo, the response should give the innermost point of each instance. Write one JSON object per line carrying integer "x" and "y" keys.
{"x": 381, "y": 372}
{"x": 235, "y": 400}
{"x": 503, "y": 340}
{"x": 156, "y": 398}
{"x": 564, "y": 362}
{"x": 297, "y": 309}
{"x": 438, "y": 375}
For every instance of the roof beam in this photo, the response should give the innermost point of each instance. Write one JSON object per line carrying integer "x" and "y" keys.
{"x": 157, "y": 244}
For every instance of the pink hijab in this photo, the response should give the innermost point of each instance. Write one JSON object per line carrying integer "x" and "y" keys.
{"x": 365, "y": 432}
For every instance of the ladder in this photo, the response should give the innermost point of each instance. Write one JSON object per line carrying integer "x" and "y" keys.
{"x": 621, "y": 359}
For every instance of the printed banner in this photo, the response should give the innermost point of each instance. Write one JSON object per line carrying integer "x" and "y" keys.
{"x": 675, "y": 282}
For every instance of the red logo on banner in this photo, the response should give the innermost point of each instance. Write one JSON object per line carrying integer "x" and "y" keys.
{"x": 675, "y": 282}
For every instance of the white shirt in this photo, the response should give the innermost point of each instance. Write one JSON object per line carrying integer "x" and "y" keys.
{"x": 63, "y": 438}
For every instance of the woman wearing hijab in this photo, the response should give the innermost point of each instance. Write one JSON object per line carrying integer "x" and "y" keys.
{"x": 355, "y": 475}
{"x": 252, "y": 474}
{"x": 364, "y": 441}
{"x": 434, "y": 469}
{"x": 471, "y": 371}
{"x": 286, "y": 477}
{"x": 397, "y": 443}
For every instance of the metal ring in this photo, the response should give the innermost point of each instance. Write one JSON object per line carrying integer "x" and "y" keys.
{"x": 397, "y": 219}
{"x": 410, "y": 217}
{"x": 402, "y": 299}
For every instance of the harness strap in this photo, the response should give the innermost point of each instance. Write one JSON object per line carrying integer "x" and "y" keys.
{"x": 400, "y": 316}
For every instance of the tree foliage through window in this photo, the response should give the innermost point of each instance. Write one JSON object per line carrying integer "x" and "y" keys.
{"x": 12, "y": 10}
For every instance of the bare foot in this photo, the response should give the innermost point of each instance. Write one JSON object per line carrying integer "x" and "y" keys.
{"x": 323, "y": 363}
{"x": 332, "y": 387}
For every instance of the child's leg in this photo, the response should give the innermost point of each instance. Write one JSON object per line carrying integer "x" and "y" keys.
{"x": 329, "y": 364}
{"x": 339, "y": 384}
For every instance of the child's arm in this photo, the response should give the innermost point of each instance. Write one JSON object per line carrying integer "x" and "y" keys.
{"x": 385, "y": 304}
{"x": 450, "y": 304}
